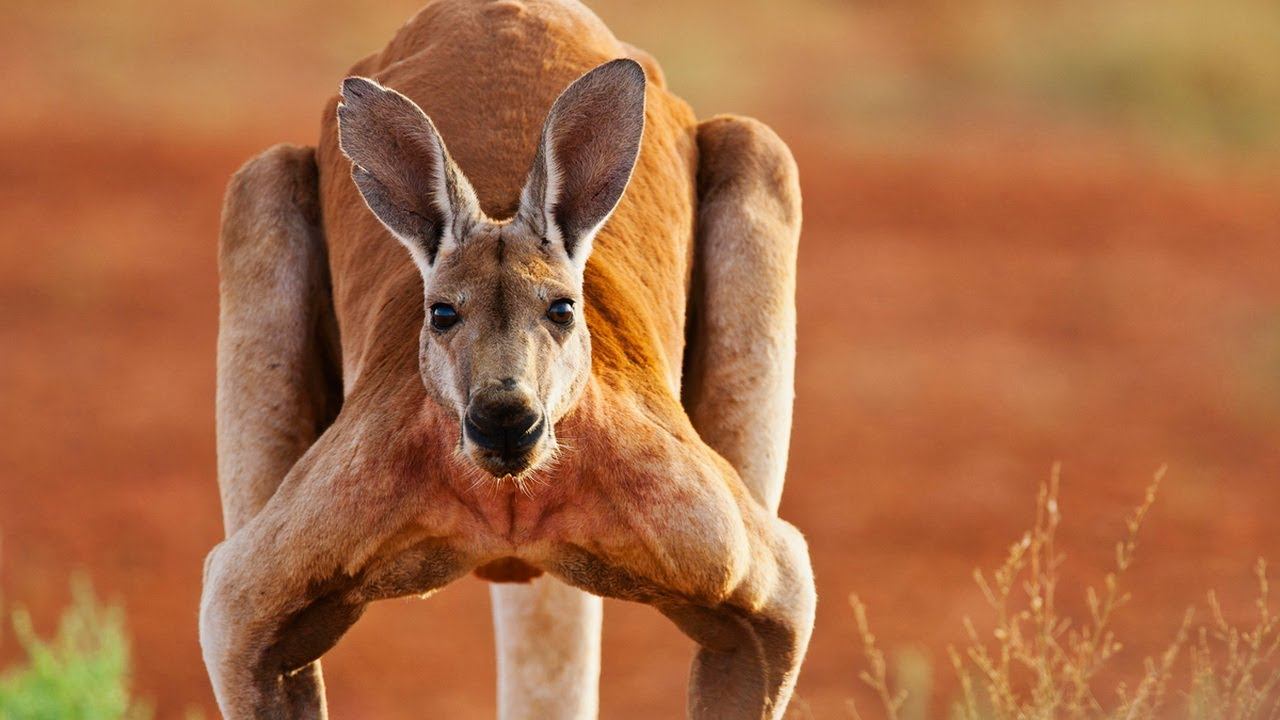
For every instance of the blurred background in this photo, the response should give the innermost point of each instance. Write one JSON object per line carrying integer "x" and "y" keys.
{"x": 1034, "y": 232}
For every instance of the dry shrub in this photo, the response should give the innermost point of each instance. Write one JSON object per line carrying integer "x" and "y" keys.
{"x": 1243, "y": 684}
{"x": 1040, "y": 664}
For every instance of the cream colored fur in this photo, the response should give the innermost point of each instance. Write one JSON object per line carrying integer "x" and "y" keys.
{"x": 548, "y": 643}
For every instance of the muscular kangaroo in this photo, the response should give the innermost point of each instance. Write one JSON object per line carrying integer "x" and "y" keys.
{"x": 576, "y": 383}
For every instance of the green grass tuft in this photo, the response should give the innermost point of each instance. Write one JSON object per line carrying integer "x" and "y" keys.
{"x": 81, "y": 673}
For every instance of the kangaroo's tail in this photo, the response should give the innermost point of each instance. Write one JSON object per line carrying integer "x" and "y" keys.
{"x": 548, "y": 643}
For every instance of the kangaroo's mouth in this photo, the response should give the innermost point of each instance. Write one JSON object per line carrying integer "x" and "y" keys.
{"x": 503, "y": 466}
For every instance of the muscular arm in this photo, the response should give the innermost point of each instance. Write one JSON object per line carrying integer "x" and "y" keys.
{"x": 670, "y": 523}
{"x": 277, "y": 366}
{"x": 728, "y": 572}
{"x": 302, "y": 507}
{"x": 738, "y": 391}
{"x": 343, "y": 529}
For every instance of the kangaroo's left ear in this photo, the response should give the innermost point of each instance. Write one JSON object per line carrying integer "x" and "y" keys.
{"x": 588, "y": 149}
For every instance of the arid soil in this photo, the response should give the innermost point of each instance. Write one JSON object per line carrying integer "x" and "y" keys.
{"x": 970, "y": 313}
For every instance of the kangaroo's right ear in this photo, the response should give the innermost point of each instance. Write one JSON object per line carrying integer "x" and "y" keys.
{"x": 400, "y": 165}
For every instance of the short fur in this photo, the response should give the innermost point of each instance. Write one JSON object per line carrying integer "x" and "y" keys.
{"x": 334, "y": 499}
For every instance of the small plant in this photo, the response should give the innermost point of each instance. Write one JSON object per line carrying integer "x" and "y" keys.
{"x": 82, "y": 673}
{"x": 1040, "y": 664}
{"x": 1244, "y": 684}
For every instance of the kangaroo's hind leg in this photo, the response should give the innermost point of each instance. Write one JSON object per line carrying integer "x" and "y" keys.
{"x": 278, "y": 383}
{"x": 739, "y": 372}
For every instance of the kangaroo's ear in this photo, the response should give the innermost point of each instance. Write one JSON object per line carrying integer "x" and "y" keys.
{"x": 589, "y": 145}
{"x": 400, "y": 165}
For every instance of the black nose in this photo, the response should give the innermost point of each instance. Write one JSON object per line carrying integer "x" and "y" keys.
{"x": 508, "y": 429}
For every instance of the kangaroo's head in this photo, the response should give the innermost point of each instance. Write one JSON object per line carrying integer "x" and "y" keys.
{"x": 505, "y": 343}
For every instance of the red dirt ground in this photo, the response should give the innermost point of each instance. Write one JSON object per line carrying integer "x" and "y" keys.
{"x": 967, "y": 318}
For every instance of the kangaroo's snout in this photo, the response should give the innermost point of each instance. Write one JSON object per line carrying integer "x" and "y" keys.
{"x": 507, "y": 429}
{"x": 506, "y": 424}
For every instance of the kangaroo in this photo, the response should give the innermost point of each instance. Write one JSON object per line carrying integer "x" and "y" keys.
{"x": 577, "y": 383}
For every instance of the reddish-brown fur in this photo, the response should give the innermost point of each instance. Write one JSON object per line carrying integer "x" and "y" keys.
{"x": 640, "y": 266}
{"x": 637, "y": 279}
{"x": 637, "y": 506}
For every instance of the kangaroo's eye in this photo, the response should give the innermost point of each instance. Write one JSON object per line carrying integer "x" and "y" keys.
{"x": 561, "y": 312}
{"x": 443, "y": 316}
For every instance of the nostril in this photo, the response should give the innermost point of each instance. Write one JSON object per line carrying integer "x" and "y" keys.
{"x": 509, "y": 383}
{"x": 479, "y": 433}
{"x": 525, "y": 423}
{"x": 522, "y": 432}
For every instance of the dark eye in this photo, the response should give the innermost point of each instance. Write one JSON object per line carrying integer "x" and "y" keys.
{"x": 561, "y": 312}
{"x": 443, "y": 316}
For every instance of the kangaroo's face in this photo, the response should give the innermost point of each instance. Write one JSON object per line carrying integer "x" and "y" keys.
{"x": 504, "y": 344}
